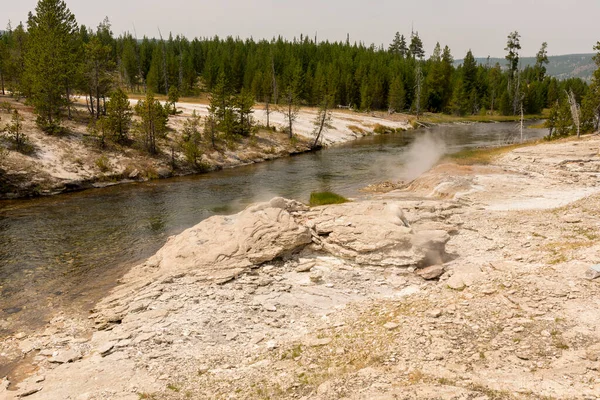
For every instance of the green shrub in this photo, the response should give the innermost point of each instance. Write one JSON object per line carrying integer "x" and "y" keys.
{"x": 103, "y": 164}
{"x": 323, "y": 198}
{"x": 382, "y": 129}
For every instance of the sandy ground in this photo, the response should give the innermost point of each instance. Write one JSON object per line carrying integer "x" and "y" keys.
{"x": 509, "y": 312}
{"x": 75, "y": 161}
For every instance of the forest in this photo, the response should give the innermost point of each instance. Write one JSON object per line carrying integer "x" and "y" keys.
{"x": 52, "y": 58}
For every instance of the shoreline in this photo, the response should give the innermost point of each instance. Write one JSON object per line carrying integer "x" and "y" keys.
{"x": 63, "y": 164}
{"x": 488, "y": 262}
{"x": 72, "y": 176}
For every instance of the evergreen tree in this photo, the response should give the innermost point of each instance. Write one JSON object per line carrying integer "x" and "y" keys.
{"x": 15, "y": 131}
{"x": 244, "y": 102}
{"x": 173, "y": 98}
{"x": 291, "y": 98}
{"x": 397, "y": 95}
{"x": 13, "y": 60}
{"x": 4, "y": 49}
{"x": 221, "y": 107}
{"x": 541, "y": 60}
{"x": 119, "y": 115}
{"x": 191, "y": 139}
{"x": 513, "y": 45}
{"x": 470, "y": 98}
{"x": 591, "y": 102}
{"x": 48, "y": 61}
{"x": 99, "y": 67}
{"x": 153, "y": 122}
{"x": 98, "y": 127}
{"x": 398, "y": 46}
{"x": 494, "y": 85}
{"x": 416, "y": 47}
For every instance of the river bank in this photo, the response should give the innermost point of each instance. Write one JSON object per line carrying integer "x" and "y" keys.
{"x": 471, "y": 283}
{"x": 75, "y": 161}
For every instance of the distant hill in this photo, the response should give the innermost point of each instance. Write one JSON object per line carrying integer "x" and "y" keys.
{"x": 562, "y": 67}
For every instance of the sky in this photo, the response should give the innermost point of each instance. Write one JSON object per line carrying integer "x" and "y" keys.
{"x": 569, "y": 26}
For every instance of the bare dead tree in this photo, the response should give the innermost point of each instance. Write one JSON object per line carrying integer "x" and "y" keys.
{"x": 419, "y": 85}
{"x": 522, "y": 118}
{"x": 575, "y": 110}
{"x": 323, "y": 121}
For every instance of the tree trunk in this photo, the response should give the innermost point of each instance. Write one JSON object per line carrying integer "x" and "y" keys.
{"x": 97, "y": 84}
{"x": 521, "y": 122}
{"x": 268, "y": 111}
{"x": 290, "y": 119}
{"x": 91, "y": 107}
{"x": 2, "y": 81}
{"x": 69, "y": 101}
{"x": 321, "y": 125}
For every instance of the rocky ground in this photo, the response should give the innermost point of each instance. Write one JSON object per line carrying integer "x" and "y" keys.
{"x": 472, "y": 283}
{"x": 54, "y": 164}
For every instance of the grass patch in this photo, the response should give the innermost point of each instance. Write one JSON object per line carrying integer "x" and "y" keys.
{"x": 324, "y": 198}
{"x": 484, "y": 156}
{"x": 103, "y": 164}
{"x": 357, "y": 130}
{"x": 447, "y": 119}
{"x": 172, "y": 387}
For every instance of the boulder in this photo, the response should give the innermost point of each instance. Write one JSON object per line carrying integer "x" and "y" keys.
{"x": 163, "y": 172}
{"x": 432, "y": 272}
{"x": 224, "y": 246}
{"x": 464, "y": 275}
{"x": 376, "y": 233}
{"x": 135, "y": 174}
{"x": 593, "y": 272}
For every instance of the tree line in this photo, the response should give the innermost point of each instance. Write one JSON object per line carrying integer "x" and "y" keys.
{"x": 53, "y": 58}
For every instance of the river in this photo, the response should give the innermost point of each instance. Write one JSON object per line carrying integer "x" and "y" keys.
{"x": 66, "y": 252}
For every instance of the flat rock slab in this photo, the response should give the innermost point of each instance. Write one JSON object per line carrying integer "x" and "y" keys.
{"x": 66, "y": 356}
{"x": 316, "y": 342}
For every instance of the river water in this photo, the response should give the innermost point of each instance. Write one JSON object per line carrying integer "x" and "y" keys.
{"x": 66, "y": 252}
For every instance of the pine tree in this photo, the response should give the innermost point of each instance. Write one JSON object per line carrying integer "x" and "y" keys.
{"x": 416, "y": 47}
{"x": 15, "y": 131}
{"x": 591, "y": 102}
{"x": 14, "y": 59}
{"x": 513, "y": 45}
{"x": 210, "y": 129}
{"x": 398, "y": 46}
{"x": 291, "y": 97}
{"x": 191, "y": 139}
{"x": 4, "y": 49}
{"x": 173, "y": 98}
{"x": 99, "y": 67}
{"x": 244, "y": 102}
{"x": 153, "y": 122}
{"x": 397, "y": 95}
{"x": 470, "y": 102}
{"x": 119, "y": 115}
{"x": 221, "y": 107}
{"x": 48, "y": 61}
{"x": 541, "y": 60}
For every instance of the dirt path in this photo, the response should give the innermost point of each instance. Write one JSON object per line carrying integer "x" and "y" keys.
{"x": 332, "y": 302}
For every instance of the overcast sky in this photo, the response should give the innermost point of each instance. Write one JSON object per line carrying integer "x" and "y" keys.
{"x": 569, "y": 26}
